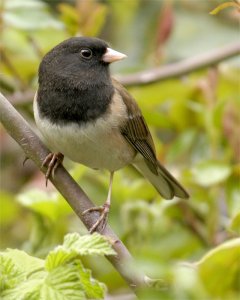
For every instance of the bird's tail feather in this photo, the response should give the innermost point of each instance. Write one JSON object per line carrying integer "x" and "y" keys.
{"x": 164, "y": 182}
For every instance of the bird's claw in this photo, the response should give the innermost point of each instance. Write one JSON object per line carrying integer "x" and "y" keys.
{"x": 103, "y": 218}
{"x": 25, "y": 160}
{"x": 52, "y": 161}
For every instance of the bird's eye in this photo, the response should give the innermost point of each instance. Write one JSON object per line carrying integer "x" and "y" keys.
{"x": 86, "y": 53}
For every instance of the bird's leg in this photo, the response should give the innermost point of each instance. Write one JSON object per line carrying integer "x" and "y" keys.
{"x": 103, "y": 210}
{"x": 52, "y": 161}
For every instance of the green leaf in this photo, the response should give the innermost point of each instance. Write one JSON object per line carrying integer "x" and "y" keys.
{"x": 16, "y": 4}
{"x": 59, "y": 256}
{"x": 10, "y": 273}
{"x": 28, "y": 290}
{"x": 235, "y": 223}
{"x": 20, "y": 274}
{"x": 92, "y": 288}
{"x": 95, "y": 244}
{"x": 182, "y": 144}
{"x": 63, "y": 283}
{"x": 48, "y": 205}
{"x": 233, "y": 195}
{"x": 186, "y": 280}
{"x": 9, "y": 208}
{"x": 75, "y": 245}
{"x": 23, "y": 277}
{"x": 219, "y": 269}
{"x": 69, "y": 16}
{"x": 29, "y": 15}
{"x": 209, "y": 173}
{"x": 24, "y": 262}
{"x": 97, "y": 20}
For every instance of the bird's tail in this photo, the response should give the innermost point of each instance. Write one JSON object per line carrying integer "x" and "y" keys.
{"x": 164, "y": 182}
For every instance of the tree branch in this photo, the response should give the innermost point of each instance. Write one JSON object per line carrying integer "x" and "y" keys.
{"x": 21, "y": 132}
{"x": 182, "y": 67}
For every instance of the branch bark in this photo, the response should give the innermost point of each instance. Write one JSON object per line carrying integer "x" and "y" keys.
{"x": 182, "y": 67}
{"x": 21, "y": 132}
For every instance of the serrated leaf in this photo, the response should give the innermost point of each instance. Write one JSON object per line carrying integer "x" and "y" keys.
{"x": 209, "y": 173}
{"x": 23, "y": 277}
{"x": 94, "y": 244}
{"x": 75, "y": 245}
{"x": 93, "y": 288}
{"x": 20, "y": 274}
{"x": 219, "y": 269}
{"x": 24, "y": 262}
{"x": 63, "y": 283}
{"x": 59, "y": 256}
{"x": 28, "y": 290}
{"x": 60, "y": 284}
{"x": 10, "y": 273}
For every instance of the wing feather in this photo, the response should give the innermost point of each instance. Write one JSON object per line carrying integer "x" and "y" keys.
{"x": 135, "y": 129}
{"x": 136, "y": 132}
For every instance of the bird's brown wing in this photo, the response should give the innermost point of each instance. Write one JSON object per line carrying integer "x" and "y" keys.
{"x": 136, "y": 132}
{"x": 135, "y": 129}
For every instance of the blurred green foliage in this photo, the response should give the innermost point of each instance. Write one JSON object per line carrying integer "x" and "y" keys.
{"x": 195, "y": 123}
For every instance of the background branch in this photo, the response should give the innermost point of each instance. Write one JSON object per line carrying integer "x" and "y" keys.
{"x": 21, "y": 132}
{"x": 182, "y": 67}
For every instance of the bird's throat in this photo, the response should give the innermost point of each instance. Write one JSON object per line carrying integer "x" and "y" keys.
{"x": 67, "y": 104}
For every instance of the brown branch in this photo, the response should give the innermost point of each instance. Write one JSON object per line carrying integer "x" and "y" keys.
{"x": 22, "y": 133}
{"x": 193, "y": 221}
{"x": 35, "y": 46}
{"x": 21, "y": 98}
{"x": 181, "y": 68}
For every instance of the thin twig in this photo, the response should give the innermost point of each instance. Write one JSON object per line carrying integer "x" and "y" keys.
{"x": 37, "y": 49}
{"x": 193, "y": 221}
{"x": 182, "y": 67}
{"x": 22, "y": 133}
{"x": 21, "y": 98}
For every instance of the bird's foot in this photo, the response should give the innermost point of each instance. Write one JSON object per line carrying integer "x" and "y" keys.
{"x": 52, "y": 161}
{"x": 103, "y": 218}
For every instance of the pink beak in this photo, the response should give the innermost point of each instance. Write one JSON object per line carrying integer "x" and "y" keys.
{"x": 112, "y": 55}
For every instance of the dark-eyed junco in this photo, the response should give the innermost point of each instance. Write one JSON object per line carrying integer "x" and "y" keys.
{"x": 86, "y": 115}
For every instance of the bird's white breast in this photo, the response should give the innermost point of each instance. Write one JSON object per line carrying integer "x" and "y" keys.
{"x": 96, "y": 144}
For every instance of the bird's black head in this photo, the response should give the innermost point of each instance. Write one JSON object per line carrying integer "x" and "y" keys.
{"x": 74, "y": 80}
{"x": 78, "y": 60}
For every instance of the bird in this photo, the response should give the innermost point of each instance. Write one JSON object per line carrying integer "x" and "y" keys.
{"x": 85, "y": 114}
